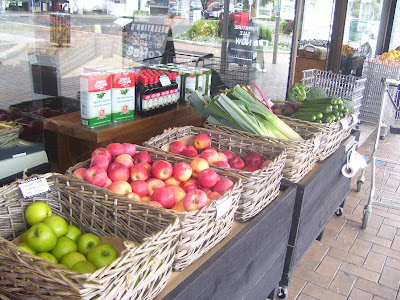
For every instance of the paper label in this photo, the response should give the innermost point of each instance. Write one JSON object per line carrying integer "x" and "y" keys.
{"x": 355, "y": 118}
{"x": 223, "y": 205}
{"x": 33, "y": 187}
{"x": 317, "y": 143}
{"x": 344, "y": 123}
{"x": 164, "y": 80}
{"x": 309, "y": 49}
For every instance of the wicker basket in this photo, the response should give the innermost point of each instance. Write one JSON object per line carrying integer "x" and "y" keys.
{"x": 9, "y": 133}
{"x": 141, "y": 271}
{"x": 301, "y": 156}
{"x": 332, "y": 134}
{"x": 259, "y": 187}
{"x": 201, "y": 229}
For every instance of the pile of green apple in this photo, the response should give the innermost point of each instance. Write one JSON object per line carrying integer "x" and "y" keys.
{"x": 52, "y": 238}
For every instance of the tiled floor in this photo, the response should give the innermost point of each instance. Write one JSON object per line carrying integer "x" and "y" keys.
{"x": 350, "y": 262}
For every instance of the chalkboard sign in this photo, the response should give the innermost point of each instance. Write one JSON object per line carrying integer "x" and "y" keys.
{"x": 241, "y": 43}
{"x": 142, "y": 41}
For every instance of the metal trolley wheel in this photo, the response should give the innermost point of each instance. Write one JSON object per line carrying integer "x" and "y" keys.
{"x": 339, "y": 211}
{"x": 282, "y": 292}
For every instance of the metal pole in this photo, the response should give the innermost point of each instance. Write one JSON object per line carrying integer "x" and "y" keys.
{"x": 276, "y": 39}
{"x": 225, "y": 27}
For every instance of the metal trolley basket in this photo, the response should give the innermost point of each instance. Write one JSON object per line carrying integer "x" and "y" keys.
{"x": 383, "y": 169}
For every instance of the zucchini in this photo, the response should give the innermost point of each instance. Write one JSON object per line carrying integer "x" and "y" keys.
{"x": 335, "y": 112}
{"x": 340, "y": 107}
{"x": 328, "y": 100}
{"x": 335, "y": 107}
{"x": 326, "y": 119}
{"x": 332, "y": 116}
{"x": 321, "y": 109}
{"x": 305, "y": 117}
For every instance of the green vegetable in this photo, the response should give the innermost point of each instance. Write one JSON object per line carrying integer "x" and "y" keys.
{"x": 306, "y": 117}
{"x": 326, "y": 119}
{"x": 316, "y": 92}
{"x": 349, "y": 106}
{"x": 327, "y": 100}
{"x": 322, "y": 109}
{"x": 297, "y": 92}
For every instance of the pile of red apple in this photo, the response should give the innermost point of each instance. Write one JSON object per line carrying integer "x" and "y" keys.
{"x": 50, "y": 237}
{"x": 201, "y": 147}
{"x": 182, "y": 187}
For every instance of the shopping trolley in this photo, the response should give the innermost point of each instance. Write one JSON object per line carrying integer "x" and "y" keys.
{"x": 385, "y": 169}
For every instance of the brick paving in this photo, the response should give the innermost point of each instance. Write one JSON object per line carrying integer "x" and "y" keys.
{"x": 350, "y": 262}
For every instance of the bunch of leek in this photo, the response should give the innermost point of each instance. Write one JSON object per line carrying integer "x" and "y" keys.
{"x": 239, "y": 109}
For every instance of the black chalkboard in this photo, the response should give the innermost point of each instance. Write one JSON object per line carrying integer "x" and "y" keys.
{"x": 143, "y": 41}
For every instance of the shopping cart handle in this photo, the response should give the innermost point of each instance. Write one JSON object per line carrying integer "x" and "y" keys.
{"x": 390, "y": 82}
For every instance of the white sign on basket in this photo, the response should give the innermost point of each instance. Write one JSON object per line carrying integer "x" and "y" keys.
{"x": 223, "y": 205}
{"x": 317, "y": 143}
{"x": 33, "y": 187}
{"x": 344, "y": 123}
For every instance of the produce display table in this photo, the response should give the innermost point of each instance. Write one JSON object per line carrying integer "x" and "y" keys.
{"x": 320, "y": 194}
{"x": 75, "y": 142}
{"x": 247, "y": 264}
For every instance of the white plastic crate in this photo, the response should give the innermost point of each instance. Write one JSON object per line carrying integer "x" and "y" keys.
{"x": 336, "y": 85}
{"x": 374, "y": 71}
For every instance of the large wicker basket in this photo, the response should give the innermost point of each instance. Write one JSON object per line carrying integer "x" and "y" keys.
{"x": 332, "y": 134}
{"x": 9, "y": 133}
{"x": 259, "y": 187}
{"x": 148, "y": 238}
{"x": 301, "y": 156}
{"x": 201, "y": 229}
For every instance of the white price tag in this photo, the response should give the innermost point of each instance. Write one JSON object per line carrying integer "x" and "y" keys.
{"x": 223, "y": 205}
{"x": 33, "y": 187}
{"x": 309, "y": 49}
{"x": 355, "y": 118}
{"x": 344, "y": 123}
{"x": 317, "y": 143}
{"x": 164, "y": 79}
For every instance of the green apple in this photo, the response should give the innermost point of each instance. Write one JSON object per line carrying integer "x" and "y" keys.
{"x": 64, "y": 246}
{"x": 87, "y": 241}
{"x": 48, "y": 256}
{"x": 36, "y": 212}
{"x": 83, "y": 267}
{"x": 72, "y": 258}
{"x": 58, "y": 224}
{"x": 41, "y": 238}
{"x": 22, "y": 238}
{"x": 25, "y": 246}
{"x": 102, "y": 255}
{"x": 64, "y": 266}
{"x": 73, "y": 232}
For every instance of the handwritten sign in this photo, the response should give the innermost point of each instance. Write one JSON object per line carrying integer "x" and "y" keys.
{"x": 142, "y": 41}
{"x": 34, "y": 186}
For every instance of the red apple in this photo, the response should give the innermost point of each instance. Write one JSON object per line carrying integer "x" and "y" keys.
{"x": 102, "y": 151}
{"x": 208, "y": 178}
{"x": 189, "y": 153}
{"x": 207, "y": 191}
{"x": 96, "y": 176}
{"x": 189, "y": 185}
{"x": 162, "y": 169}
{"x": 146, "y": 198}
{"x": 198, "y": 164}
{"x": 228, "y": 154}
{"x": 201, "y": 141}
{"x": 124, "y": 159}
{"x": 78, "y": 173}
{"x": 265, "y": 163}
{"x": 146, "y": 165}
{"x": 211, "y": 148}
{"x": 222, "y": 164}
{"x": 179, "y": 193}
{"x": 223, "y": 185}
{"x": 138, "y": 172}
{"x": 236, "y": 163}
{"x": 250, "y": 168}
{"x": 140, "y": 187}
{"x": 177, "y": 147}
{"x": 154, "y": 203}
{"x": 141, "y": 156}
{"x": 214, "y": 196}
{"x": 178, "y": 207}
{"x": 154, "y": 184}
{"x": 211, "y": 156}
{"x": 182, "y": 171}
{"x": 107, "y": 184}
{"x": 100, "y": 161}
{"x": 165, "y": 196}
{"x": 195, "y": 199}
{"x": 130, "y": 149}
{"x": 253, "y": 158}
{"x": 222, "y": 157}
{"x": 115, "y": 149}
{"x": 120, "y": 187}
{"x": 172, "y": 181}
{"x": 133, "y": 196}
{"x": 117, "y": 171}
{"x": 192, "y": 148}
